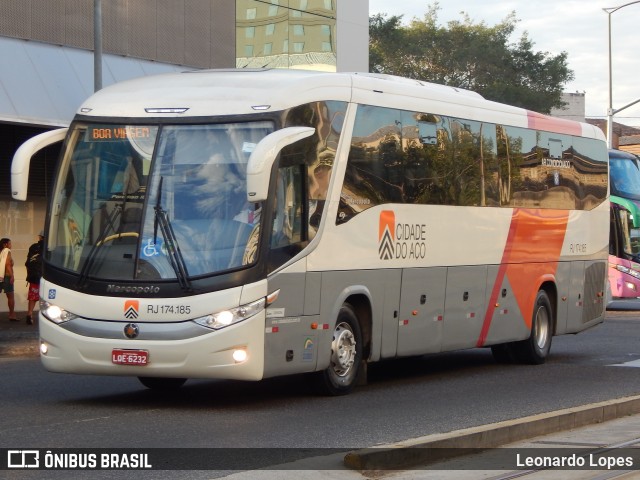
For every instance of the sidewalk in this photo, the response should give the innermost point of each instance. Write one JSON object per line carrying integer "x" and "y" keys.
{"x": 613, "y": 438}
{"x": 612, "y": 416}
{"x": 18, "y": 338}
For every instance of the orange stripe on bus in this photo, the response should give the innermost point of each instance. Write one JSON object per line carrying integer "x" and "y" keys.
{"x": 499, "y": 278}
{"x": 531, "y": 254}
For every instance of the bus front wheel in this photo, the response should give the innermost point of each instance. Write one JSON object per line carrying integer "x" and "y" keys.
{"x": 535, "y": 349}
{"x": 162, "y": 384}
{"x": 341, "y": 375}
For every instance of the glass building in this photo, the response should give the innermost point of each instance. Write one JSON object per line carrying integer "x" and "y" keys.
{"x": 286, "y": 34}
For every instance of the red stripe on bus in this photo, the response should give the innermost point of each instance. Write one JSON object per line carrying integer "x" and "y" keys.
{"x": 530, "y": 256}
{"x": 502, "y": 270}
{"x": 538, "y": 121}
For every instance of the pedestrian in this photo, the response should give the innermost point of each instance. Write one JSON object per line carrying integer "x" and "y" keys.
{"x": 6, "y": 266}
{"x": 34, "y": 273}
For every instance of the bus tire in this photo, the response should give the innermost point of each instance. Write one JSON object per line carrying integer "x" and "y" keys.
{"x": 161, "y": 383}
{"x": 535, "y": 349}
{"x": 341, "y": 375}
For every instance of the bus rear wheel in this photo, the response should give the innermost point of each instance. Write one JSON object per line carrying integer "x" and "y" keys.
{"x": 535, "y": 349}
{"x": 162, "y": 384}
{"x": 341, "y": 375}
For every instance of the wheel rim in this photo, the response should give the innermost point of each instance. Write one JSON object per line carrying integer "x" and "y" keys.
{"x": 343, "y": 349}
{"x": 542, "y": 327}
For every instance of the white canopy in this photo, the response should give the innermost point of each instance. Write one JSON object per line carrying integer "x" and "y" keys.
{"x": 43, "y": 84}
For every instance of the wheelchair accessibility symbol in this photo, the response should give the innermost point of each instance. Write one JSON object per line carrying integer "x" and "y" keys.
{"x": 152, "y": 249}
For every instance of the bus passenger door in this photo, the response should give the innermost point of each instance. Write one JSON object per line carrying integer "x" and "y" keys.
{"x": 421, "y": 316}
{"x": 290, "y": 342}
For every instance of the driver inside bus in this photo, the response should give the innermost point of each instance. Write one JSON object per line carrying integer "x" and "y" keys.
{"x": 319, "y": 177}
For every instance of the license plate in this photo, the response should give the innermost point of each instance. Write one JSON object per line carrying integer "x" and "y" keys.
{"x": 129, "y": 357}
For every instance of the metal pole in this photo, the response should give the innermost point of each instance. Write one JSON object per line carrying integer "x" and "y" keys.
{"x": 97, "y": 45}
{"x": 610, "y": 109}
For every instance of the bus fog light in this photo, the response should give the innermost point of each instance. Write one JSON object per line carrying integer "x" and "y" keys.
{"x": 630, "y": 286}
{"x": 44, "y": 348}
{"x": 240, "y": 355}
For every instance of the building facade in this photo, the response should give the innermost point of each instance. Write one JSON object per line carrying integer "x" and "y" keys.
{"x": 300, "y": 36}
{"x": 574, "y": 108}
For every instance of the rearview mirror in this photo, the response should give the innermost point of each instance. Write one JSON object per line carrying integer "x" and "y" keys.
{"x": 22, "y": 159}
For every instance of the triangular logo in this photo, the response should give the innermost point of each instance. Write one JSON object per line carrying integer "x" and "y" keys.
{"x": 131, "y": 308}
{"x": 386, "y": 234}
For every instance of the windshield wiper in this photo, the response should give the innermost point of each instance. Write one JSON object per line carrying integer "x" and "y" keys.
{"x": 156, "y": 208}
{"x": 176, "y": 259}
{"x": 118, "y": 211}
{"x": 91, "y": 257}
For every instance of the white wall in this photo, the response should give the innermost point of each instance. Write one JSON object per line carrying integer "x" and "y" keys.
{"x": 575, "y": 108}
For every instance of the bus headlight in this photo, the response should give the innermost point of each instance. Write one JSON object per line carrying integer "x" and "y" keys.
{"x": 233, "y": 315}
{"x": 55, "y": 313}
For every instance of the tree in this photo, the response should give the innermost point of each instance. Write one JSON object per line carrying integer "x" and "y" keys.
{"x": 470, "y": 55}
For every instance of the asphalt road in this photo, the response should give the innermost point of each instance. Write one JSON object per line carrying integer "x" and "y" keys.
{"x": 404, "y": 399}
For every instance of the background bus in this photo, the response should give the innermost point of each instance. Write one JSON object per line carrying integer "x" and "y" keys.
{"x": 624, "y": 249}
{"x": 624, "y": 175}
{"x": 249, "y": 224}
{"x": 624, "y": 243}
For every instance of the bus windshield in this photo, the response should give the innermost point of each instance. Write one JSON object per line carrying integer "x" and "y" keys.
{"x": 624, "y": 171}
{"x": 155, "y": 202}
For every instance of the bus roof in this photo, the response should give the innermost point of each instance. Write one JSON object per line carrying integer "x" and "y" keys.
{"x": 206, "y": 93}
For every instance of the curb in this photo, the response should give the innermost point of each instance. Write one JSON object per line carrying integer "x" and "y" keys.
{"x": 440, "y": 446}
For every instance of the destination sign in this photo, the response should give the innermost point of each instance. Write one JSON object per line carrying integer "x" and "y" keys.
{"x": 108, "y": 133}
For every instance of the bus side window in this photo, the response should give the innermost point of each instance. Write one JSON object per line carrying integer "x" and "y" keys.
{"x": 288, "y": 221}
{"x": 287, "y": 209}
{"x": 613, "y": 232}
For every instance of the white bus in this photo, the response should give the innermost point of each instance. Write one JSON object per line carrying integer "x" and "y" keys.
{"x": 250, "y": 224}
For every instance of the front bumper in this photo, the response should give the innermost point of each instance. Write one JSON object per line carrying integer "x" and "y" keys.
{"x": 208, "y": 355}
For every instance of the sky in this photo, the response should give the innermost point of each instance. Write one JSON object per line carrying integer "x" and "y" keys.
{"x": 579, "y": 27}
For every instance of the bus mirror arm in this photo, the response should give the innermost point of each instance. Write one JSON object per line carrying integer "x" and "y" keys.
{"x": 22, "y": 159}
{"x": 264, "y": 155}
